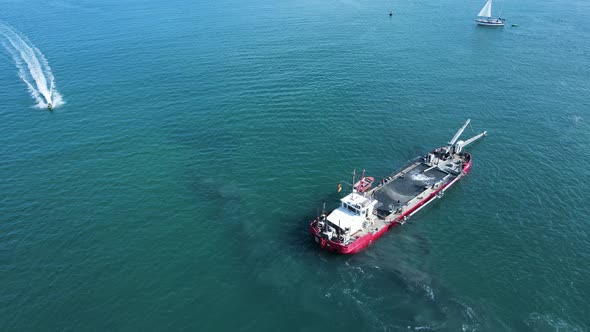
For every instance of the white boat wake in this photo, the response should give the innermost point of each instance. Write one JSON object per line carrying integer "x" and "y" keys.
{"x": 32, "y": 67}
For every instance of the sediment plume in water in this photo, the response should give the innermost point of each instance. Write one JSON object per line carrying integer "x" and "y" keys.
{"x": 32, "y": 67}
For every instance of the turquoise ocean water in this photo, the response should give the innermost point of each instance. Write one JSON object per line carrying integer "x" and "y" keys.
{"x": 173, "y": 188}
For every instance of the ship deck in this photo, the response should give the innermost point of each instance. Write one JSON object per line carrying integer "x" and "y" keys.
{"x": 404, "y": 186}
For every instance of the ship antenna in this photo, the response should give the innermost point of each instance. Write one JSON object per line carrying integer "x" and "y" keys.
{"x": 353, "y": 178}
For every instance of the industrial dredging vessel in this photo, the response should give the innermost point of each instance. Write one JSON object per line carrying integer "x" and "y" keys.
{"x": 366, "y": 214}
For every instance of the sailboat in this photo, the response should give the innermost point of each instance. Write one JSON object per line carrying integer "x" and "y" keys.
{"x": 485, "y": 16}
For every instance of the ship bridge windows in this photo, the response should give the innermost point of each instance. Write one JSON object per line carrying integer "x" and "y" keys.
{"x": 351, "y": 208}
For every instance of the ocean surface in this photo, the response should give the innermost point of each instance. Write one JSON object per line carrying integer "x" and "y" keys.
{"x": 193, "y": 141}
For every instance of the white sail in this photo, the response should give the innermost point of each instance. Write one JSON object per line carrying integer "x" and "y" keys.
{"x": 486, "y": 11}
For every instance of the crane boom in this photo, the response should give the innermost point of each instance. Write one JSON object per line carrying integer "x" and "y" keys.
{"x": 474, "y": 138}
{"x": 456, "y": 137}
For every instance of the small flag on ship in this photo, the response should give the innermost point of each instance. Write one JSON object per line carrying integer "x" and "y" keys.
{"x": 339, "y": 187}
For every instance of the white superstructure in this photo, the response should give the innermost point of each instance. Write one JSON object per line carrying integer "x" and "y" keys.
{"x": 350, "y": 217}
